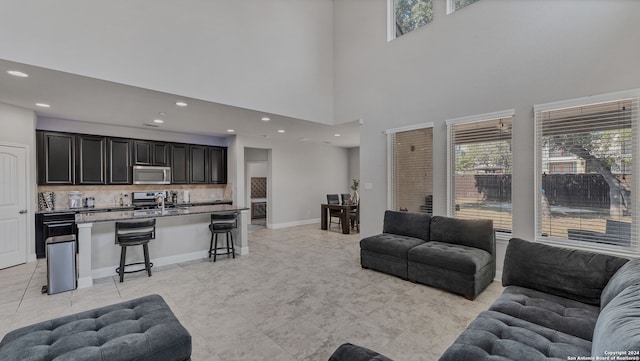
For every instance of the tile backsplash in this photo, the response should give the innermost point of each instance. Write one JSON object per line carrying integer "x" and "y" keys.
{"x": 105, "y": 196}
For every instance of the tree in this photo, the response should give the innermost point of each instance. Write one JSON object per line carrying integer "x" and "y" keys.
{"x": 599, "y": 150}
{"x": 412, "y": 14}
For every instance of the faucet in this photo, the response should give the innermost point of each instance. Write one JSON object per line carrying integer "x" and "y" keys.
{"x": 160, "y": 201}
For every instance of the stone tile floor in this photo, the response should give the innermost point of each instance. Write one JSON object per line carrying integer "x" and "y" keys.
{"x": 297, "y": 295}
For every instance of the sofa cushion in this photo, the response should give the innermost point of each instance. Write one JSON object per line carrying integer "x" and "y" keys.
{"x": 476, "y": 233}
{"x": 408, "y": 224}
{"x": 627, "y": 275}
{"x": 568, "y": 316}
{"x": 617, "y": 327}
{"x": 350, "y": 352}
{"x": 574, "y": 274}
{"x": 390, "y": 244}
{"x": 453, "y": 257}
{"x": 497, "y": 336}
{"x": 141, "y": 329}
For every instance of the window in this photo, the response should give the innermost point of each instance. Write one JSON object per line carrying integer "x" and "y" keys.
{"x": 410, "y": 169}
{"x": 455, "y": 5}
{"x": 586, "y": 151}
{"x": 408, "y": 15}
{"x": 479, "y": 168}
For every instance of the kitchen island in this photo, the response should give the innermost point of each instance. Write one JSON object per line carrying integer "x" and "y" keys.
{"x": 182, "y": 234}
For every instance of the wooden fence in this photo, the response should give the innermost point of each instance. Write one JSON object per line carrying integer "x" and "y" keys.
{"x": 570, "y": 190}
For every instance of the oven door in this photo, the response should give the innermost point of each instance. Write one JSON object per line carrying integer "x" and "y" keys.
{"x": 151, "y": 175}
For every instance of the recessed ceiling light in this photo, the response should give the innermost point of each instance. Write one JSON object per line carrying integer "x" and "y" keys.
{"x": 265, "y": 119}
{"x": 230, "y": 130}
{"x": 280, "y": 130}
{"x": 181, "y": 104}
{"x": 162, "y": 114}
{"x": 43, "y": 105}
{"x": 336, "y": 135}
{"x": 159, "y": 121}
{"x": 18, "y": 73}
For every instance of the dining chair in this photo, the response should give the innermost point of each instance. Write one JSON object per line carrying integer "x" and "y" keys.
{"x": 346, "y": 197}
{"x": 354, "y": 218}
{"x": 334, "y": 213}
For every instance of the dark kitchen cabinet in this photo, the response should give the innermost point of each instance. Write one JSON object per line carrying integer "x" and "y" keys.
{"x": 142, "y": 152}
{"x": 160, "y": 154}
{"x": 54, "y": 224}
{"x": 119, "y": 161}
{"x": 90, "y": 159}
{"x": 151, "y": 153}
{"x": 56, "y": 157}
{"x": 198, "y": 164}
{"x": 179, "y": 163}
{"x": 217, "y": 165}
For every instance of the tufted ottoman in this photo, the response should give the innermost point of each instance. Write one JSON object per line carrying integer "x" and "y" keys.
{"x": 140, "y": 329}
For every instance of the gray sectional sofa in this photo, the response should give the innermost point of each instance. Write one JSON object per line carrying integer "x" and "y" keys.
{"x": 453, "y": 254}
{"x": 558, "y": 304}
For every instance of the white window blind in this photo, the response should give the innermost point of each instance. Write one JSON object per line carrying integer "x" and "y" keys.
{"x": 410, "y": 168}
{"x": 479, "y": 169}
{"x": 585, "y": 187}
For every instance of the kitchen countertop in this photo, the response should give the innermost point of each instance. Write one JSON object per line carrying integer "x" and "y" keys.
{"x": 127, "y": 208}
{"x": 122, "y": 215}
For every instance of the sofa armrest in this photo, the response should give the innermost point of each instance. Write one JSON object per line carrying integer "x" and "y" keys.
{"x": 573, "y": 274}
{"x": 350, "y": 352}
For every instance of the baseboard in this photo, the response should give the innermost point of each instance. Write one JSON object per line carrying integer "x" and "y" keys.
{"x": 158, "y": 262}
{"x": 293, "y": 224}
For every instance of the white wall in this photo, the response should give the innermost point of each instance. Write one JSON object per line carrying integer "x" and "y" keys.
{"x": 300, "y": 176}
{"x": 493, "y": 55}
{"x": 274, "y": 56}
{"x": 18, "y": 128}
{"x": 354, "y": 164}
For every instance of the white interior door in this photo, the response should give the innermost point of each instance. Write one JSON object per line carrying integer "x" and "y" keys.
{"x": 13, "y": 206}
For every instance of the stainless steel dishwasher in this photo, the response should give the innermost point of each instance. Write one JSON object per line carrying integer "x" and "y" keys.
{"x": 62, "y": 273}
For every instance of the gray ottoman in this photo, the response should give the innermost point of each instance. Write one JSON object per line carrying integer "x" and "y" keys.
{"x": 140, "y": 329}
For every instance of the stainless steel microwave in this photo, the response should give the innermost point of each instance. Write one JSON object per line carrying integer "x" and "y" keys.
{"x": 151, "y": 175}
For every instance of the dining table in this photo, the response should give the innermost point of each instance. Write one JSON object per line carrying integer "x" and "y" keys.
{"x": 344, "y": 215}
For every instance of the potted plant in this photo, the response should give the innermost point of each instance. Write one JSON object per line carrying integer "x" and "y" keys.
{"x": 355, "y": 198}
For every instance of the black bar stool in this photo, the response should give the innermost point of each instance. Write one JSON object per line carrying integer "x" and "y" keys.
{"x": 135, "y": 233}
{"x": 222, "y": 223}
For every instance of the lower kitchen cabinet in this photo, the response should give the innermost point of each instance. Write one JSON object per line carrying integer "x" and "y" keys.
{"x": 54, "y": 224}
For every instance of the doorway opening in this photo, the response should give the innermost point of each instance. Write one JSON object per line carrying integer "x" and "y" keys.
{"x": 257, "y": 172}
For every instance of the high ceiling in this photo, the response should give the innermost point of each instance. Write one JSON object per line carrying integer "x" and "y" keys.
{"x": 87, "y": 99}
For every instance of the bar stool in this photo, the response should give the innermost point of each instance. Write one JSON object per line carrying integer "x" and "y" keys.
{"x": 222, "y": 223}
{"x": 135, "y": 233}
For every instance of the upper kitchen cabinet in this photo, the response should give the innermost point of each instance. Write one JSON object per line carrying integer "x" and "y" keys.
{"x": 90, "y": 159}
{"x": 217, "y": 165}
{"x": 198, "y": 164}
{"x": 160, "y": 152}
{"x": 142, "y": 152}
{"x": 119, "y": 157}
{"x": 151, "y": 153}
{"x": 56, "y": 152}
{"x": 179, "y": 163}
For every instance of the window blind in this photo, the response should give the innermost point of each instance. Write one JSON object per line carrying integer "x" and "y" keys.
{"x": 585, "y": 158}
{"x": 480, "y": 168}
{"x": 411, "y": 180}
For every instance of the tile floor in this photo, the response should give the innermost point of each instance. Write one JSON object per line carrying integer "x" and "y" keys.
{"x": 298, "y": 295}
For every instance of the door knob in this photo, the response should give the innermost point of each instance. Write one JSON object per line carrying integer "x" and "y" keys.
{"x": 23, "y": 211}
